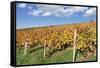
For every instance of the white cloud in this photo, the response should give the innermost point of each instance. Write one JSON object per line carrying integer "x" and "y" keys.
{"x": 56, "y": 10}
{"x": 60, "y": 11}
{"x": 46, "y": 14}
{"x": 90, "y": 12}
{"x": 79, "y": 9}
{"x": 30, "y": 6}
{"x": 73, "y": 10}
{"x": 36, "y": 12}
{"x": 22, "y": 5}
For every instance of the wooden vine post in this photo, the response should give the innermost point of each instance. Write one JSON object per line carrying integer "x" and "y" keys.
{"x": 74, "y": 45}
{"x": 44, "y": 54}
{"x": 26, "y": 45}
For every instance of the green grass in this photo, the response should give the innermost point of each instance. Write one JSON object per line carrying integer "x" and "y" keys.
{"x": 36, "y": 56}
{"x": 92, "y": 58}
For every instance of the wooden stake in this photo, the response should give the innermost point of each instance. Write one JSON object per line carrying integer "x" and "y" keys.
{"x": 44, "y": 50}
{"x": 25, "y": 48}
{"x": 74, "y": 45}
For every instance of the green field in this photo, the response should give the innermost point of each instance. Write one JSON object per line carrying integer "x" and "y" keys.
{"x": 35, "y": 56}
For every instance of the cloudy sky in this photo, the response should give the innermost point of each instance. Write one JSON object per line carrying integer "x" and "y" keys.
{"x": 34, "y": 15}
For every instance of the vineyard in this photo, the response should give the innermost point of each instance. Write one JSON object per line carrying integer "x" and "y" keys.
{"x": 56, "y": 43}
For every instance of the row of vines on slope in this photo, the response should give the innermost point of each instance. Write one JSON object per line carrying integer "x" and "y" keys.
{"x": 60, "y": 37}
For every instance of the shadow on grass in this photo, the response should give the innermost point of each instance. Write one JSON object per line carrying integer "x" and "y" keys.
{"x": 37, "y": 48}
{"x": 55, "y": 50}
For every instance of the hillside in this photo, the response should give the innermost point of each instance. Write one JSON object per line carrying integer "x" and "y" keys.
{"x": 54, "y": 44}
{"x": 46, "y": 33}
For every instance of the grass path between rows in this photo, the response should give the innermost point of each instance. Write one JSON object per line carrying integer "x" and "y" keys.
{"x": 36, "y": 57}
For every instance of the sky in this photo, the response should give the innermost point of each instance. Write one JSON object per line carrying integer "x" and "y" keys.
{"x": 35, "y": 15}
